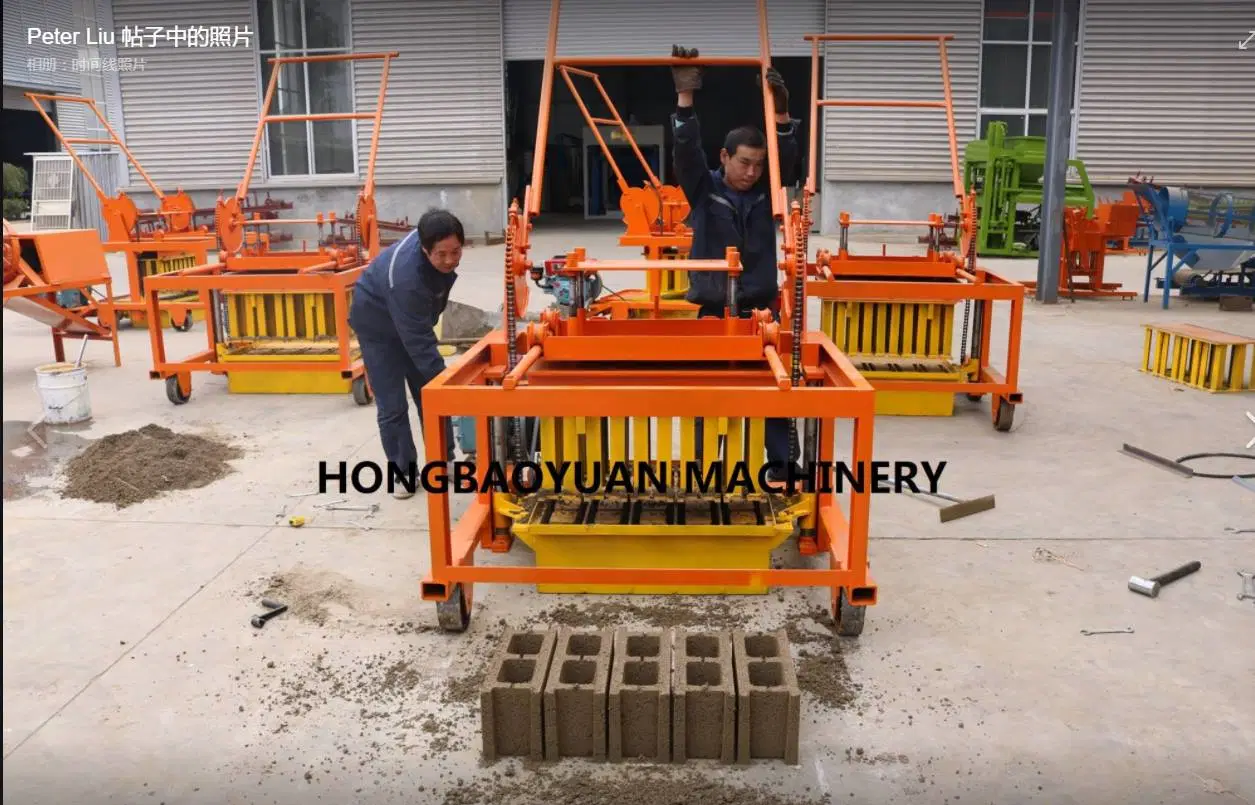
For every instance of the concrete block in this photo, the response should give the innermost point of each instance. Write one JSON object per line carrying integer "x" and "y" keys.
{"x": 575, "y": 695}
{"x": 640, "y": 696}
{"x": 769, "y": 701}
{"x": 511, "y": 698}
{"x": 703, "y": 692}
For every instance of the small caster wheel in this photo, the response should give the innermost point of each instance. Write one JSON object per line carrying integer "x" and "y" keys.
{"x": 848, "y": 617}
{"x": 974, "y": 397}
{"x": 185, "y": 325}
{"x": 174, "y": 393}
{"x": 1005, "y": 417}
{"x": 361, "y": 392}
{"x": 454, "y": 615}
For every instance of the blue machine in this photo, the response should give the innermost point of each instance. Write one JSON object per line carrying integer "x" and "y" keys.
{"x": 1201, "y": 236}
{"x": 562, "y": 287}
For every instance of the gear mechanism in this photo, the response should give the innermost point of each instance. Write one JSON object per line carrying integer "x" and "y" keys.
{"x": 366, "y": 226}
{"x": 180, "y": 209}
{"x": 229, "y": 224}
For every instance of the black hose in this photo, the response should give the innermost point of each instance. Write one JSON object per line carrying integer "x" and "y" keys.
{"x": 1221, "y": 475}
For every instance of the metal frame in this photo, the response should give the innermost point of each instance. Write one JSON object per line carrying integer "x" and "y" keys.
{"x": 938, "y": 276}
{"x": 241, "y": 270}
{"x": 590, "y": 366}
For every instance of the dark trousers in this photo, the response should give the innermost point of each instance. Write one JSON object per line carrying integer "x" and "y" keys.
{"x": 776, "y": 431}
{"x": 390, "y": 370}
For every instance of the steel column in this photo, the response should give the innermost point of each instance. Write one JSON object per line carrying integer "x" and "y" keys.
{"x": 1058, "y": 147}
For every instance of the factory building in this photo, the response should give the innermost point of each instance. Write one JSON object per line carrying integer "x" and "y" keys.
{"x": 1161, "y": 88}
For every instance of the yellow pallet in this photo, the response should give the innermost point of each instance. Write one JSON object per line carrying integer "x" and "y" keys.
{"x": 315, "y": 381}
{"x": 912, "y": 403}
{"x": 1199, "y": 357}
{"x": 890, "y": 329}
{"x": 153, "y": 265}
{"x": 562, "y": 534}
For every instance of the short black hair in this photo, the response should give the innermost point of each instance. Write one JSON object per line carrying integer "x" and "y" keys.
{"x": 747, "y": 136}
{"x": 436, "y": 225}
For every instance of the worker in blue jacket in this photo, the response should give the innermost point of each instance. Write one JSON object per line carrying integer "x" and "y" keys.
{"x": 731, "y": 206}
{"x": 397, "y": 301}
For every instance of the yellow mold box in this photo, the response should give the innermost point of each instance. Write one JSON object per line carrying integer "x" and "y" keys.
{"x": 315, "y": 381}
{"x": 620, "y": 533}
{"x": 912, "y": 403}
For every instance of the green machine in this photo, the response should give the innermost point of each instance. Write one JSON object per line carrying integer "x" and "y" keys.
{"x": 1007, "y": 174}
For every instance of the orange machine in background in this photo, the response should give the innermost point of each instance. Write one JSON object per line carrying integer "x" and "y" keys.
{"x": 1087, "y": 242}
{"x": 894, "y": 314}
{"x": 278, "y": 320}
{"x": 38, "y": 266}
{"x": 154, "y": 241}
{"x": 601, "y": 394}
{"x": 654, "y": 216}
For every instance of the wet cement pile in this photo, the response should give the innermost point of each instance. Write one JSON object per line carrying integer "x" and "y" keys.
{"x": 673, "y": 612}
{"x": 136, "y": 465}
{"x": 620, "y": 786}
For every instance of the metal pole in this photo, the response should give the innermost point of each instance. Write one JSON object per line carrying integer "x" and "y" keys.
{"x": 1058, "y": 147}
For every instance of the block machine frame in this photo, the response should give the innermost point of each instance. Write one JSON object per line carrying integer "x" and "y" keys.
{"x": 295, "y": 303}
{"x": 40, "y": 265}
{"x": 578, "y": 373}
{"x": 893, "y": 313}
{"x": 152, "y": 240}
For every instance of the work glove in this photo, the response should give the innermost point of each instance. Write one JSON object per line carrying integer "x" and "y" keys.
{"x": 687, "y": 79}
{"x": 780, "y": 93}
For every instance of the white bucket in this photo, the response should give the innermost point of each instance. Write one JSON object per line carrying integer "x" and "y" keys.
{"x": 63, "y": 389}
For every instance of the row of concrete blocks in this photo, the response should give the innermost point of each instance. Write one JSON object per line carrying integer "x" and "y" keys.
{"x": 665, "y": 695}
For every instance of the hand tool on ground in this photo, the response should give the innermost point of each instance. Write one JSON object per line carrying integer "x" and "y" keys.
{"x": 1088, "y": 632}
{"x": 270, "y": 603}
{"x": 1166, "y": 463}
{"x": 1150, "y": 587}
{"x": 1242, "y": 482}
{"x": 961, "y": 507}
{"x": 260, "y": 620}
{"x": 372, "y": 508}
{"x": 1248, "y": 585}
{"x": 296, "y": 522}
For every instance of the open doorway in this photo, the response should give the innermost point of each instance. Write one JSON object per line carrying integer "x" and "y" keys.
{"x": 578, "y": 185}
{"x": 25, "y": 133}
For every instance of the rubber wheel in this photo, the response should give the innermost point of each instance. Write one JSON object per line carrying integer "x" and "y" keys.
{"x": 174, "y": 393}
{"x": 849, "y": 618}
{"x": 361, "y": 392}
{"x": 454, "y": 615}
{"x": 1006, "y": 416}
{"x": 185, "y": 326}
{"x": 974, "y": 397}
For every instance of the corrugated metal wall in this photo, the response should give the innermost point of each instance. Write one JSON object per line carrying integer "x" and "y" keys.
{"x": 896, "y": 144}
{"x": 19, "y": 16}
{"x": 1165, "y": 91}
{"x": 650, "y": 27}
{"x": 191, "y": 113}
{"x": 444, "y": 114}
{"x": 86, "y": 211}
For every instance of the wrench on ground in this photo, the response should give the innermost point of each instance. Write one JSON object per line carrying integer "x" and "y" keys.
{"x": 1088, "y": 632}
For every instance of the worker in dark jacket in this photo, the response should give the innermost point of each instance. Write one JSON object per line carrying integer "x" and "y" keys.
{"x": 397, "y": 301}
{"x": 731, "y": 206}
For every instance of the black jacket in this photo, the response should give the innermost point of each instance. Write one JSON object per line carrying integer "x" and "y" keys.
{"x": 401, "y": 296}
{"x": 720, "y": 217}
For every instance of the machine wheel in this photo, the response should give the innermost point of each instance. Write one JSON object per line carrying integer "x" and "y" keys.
{"x": 361, "y": 392}
{"x": 974, "y": 397}
{"x": 185, "y": 325}
{"x": 849, "y": 618}
{"x": 454, "y": 615}
{"x": 174, "y": 393}
{"x": 1005, "y": 417}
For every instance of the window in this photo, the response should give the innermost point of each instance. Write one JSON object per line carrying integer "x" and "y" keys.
{"x": 1015, "y": 65}
{"x": 306, "y": 28}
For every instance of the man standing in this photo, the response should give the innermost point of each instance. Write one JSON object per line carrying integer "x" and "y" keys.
{"x": 731, "y": 206}
{"x": 397, "y": 301}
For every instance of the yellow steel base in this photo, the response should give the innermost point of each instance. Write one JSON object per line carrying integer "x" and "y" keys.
{"x": 912, "y": 403}
{"x": 315, "y": 381}
{"x": 559, "y": 539}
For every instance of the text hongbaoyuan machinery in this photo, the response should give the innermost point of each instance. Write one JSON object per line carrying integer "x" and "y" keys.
{"x": 277, "y": 322}
{"x": 154, "y": 241}
{"x": 895, "y": 315}
{"x": 654, "y": 216}
{"x": 656, "y": 395}
{"x": 40, "y": 266}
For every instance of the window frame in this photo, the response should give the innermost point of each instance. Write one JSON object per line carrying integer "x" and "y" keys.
{"x": 309, "y": 177}
{"x": 1029, "y": 43}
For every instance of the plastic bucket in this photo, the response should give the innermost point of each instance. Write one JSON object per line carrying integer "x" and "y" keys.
{"x": 63, "y": 390}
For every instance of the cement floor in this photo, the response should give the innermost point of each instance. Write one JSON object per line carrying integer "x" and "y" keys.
{"x": 131, "y": 673}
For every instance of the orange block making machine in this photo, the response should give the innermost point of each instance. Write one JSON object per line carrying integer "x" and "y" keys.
{"x": 277, "y": 321}
{"x": 658, "y": 398}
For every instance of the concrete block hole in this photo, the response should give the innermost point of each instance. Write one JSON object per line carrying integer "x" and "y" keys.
{"x": 578, "y": 672}
{"x": 762, "y": 646}
{"x": 766, "y": 674}
{"x": 640, "y": 673}
{"x": 644, "y": 646}
{"x": 517, "y": 672}
{"x": 701, "y": 645}
{"x": 703, "y": 673}
{"x": 526, "y": 643}
{"x": 583, "y": 645}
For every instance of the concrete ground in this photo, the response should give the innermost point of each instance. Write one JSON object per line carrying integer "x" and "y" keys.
{"x": 132, "y": 675}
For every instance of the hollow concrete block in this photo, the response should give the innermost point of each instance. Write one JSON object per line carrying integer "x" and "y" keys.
{"x": 575, "y": 695}
{"x": 511, "y": 695}
{"x": 769, "y": 701}
{"x": 640, "y": 696}
{"x": 703, "y": 691}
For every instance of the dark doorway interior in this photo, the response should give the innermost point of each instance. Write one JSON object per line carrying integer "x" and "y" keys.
{"x": 25, "y": 132}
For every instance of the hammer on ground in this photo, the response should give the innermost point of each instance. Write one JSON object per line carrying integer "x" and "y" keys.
{"x": 1150, "y": 587}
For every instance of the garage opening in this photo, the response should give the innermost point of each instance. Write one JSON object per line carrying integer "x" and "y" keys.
{"x": 25, "y": 133}
{"x": 579, "y": 185}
